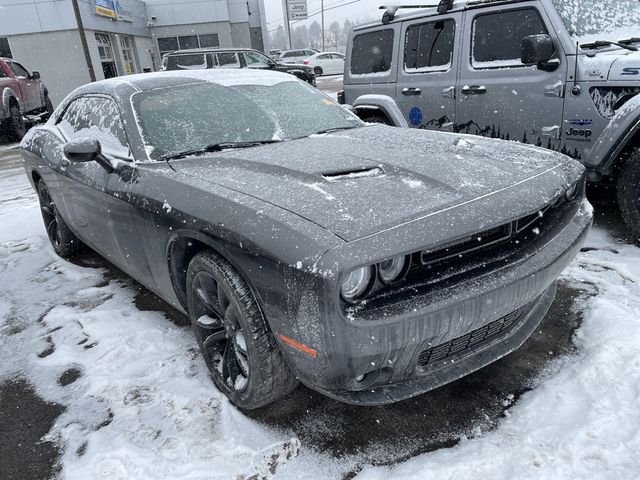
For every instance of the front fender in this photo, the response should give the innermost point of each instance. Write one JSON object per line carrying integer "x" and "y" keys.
{"x": 385, "y": 104}
{"x": 7, "y": 94}
{"x": 615, "y": 137}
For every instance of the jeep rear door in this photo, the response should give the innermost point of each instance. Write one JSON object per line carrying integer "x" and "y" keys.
{"x": 500, "y": 97}
{"x": 427, "y": 69}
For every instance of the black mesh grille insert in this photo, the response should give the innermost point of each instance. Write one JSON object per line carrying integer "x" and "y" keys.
{"x": 467, "y": 343}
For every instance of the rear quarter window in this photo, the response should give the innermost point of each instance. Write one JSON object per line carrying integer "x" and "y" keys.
{"x": 372, "y": 52}
{"x": 187, "y": 62}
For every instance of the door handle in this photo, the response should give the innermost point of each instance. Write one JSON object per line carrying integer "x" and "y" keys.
{"x": 553, "y": 132}
{"x": 449, "y": 92}
{"x": 411, "y": 91}
{"x": 474, "y": 90}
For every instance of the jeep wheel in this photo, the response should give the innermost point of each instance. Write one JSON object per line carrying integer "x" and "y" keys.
{"x": 63, "y": 241}
{"x": 16, "y": 128}
{"x": 234, "y": 338}
{"x": 629, "y": 194}
{"x": 318, "y": 71}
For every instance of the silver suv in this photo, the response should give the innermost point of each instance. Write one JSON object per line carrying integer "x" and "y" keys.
{"x": 560, "y": 74}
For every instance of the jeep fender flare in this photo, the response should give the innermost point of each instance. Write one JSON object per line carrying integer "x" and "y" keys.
{"x": 384, "y": 104}
{"x": 620, "y": 131}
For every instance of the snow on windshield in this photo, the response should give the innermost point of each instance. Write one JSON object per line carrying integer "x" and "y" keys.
{"x": 589, "y": 20}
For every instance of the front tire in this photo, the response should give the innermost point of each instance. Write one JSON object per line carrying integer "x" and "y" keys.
{"x": 16, "y": 129}
{"x": 63, "y": 241}
{"x": 629, "y": 194}
{"x": 234, "y": 338}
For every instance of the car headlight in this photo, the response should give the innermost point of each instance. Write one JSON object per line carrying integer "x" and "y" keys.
{"x": 356, "y": 283}
{"x": 571, "y": 192}
{"x": 392, "y": 270}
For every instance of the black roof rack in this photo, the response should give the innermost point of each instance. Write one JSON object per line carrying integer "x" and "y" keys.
{"x": 390, "y": 11}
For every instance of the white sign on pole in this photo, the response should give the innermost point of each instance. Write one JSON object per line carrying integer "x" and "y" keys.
{"x": 298, "y": 9}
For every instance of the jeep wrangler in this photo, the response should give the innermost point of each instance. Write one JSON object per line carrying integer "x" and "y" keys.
{"x": 560, "y": 74}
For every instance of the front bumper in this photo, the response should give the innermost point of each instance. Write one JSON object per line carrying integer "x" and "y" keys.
{"x": 472, "y": 325}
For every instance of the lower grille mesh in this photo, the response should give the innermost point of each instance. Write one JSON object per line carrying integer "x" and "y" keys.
{"x": 467, "y": 343}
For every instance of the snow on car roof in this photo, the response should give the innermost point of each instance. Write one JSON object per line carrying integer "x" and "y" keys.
{"x": 224, "y": 77}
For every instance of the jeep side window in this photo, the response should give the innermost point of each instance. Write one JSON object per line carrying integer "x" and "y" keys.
{"x": 496, "y": 37}
{"x": 372, "y": 52}
{"x": 429, "y": 46}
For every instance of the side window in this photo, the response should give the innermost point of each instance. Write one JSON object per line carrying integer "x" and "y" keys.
{"x": 228, "y": 60}
{"x": 372, "y": 52}
{"x": 99, "y": 118}
{"x": 496, "y": 37}
{"x": 255, "y": 59}
{"x": 429, "y": 46}
{"x": 325, "y": 56}
{"x": 18, "y": 70}
{"x": 187, "y": 62}
{"x": 337, "y": 56}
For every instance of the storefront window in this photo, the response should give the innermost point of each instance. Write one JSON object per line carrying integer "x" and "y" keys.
{"x": 171, "y": 44}
{"x": 5, "y": 50}
{"x": 128, "y": 60}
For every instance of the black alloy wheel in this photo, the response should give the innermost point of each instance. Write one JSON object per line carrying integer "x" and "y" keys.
{"x": 243, "y": 358}
{"x": 63, "y": 241}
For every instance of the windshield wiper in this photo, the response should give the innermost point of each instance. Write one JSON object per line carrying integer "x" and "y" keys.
{"x": 335, "y": 129}
{"x": 629, "y": 41}
{"x": 216, "y": 147}
{"x": 607, "y": 43}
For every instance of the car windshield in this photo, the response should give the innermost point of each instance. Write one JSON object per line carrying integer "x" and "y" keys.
{"x": 194, "y": 117}
{"x": 590, "y": 20}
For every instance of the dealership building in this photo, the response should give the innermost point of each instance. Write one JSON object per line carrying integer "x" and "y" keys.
{"x": 73, "y": 42}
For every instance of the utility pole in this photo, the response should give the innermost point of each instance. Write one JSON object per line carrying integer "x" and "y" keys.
{"x": 287, "y": 27}
{"x": 83, "y": 40}
{"x": 322, "y": 10}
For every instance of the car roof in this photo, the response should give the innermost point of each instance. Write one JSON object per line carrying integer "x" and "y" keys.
{"x": 123, "y": 87}
{"x": 458, "y": 5}
{"x": 212, "y": 49}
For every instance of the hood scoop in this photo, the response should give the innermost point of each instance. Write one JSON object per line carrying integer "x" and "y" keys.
{"x": 353, "y": 174}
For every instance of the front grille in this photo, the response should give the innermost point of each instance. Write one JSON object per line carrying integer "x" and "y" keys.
{"x": 471, "y": 341}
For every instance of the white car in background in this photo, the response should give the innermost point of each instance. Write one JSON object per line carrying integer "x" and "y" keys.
{"x": 326, "y": 63}
{"x": 296, "y": 56}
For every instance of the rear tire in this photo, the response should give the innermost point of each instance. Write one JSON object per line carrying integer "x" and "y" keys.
{"x": 240, "y": 351}
{"x": 318, "y": 71}
{"x": 63, "y": 241}
{"x": 629, "y": 194}
{"x": 16, "y": 128}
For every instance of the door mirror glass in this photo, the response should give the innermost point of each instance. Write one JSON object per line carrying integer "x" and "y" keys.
{"x": 35, "y": 75}
{"x": 536, "y": 49}
{"x": 83, "y": 150}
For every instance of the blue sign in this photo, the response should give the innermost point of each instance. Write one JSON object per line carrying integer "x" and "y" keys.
{"x": 415, "y": 116}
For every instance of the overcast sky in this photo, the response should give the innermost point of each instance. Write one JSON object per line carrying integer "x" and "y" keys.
{"x": 357, "y": 11}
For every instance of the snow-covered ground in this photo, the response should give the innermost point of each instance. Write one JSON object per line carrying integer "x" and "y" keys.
{"x": 143, "y": 405}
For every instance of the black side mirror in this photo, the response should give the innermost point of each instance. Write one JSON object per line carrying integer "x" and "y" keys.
{"x": 35, "y": 75}
{"x": 83, "y": 150}
{"x": 87, "y": 150}
{"x": 538, "y": 50}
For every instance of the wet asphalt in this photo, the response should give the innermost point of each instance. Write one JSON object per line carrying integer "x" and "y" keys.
{"x": 375, "y": 435}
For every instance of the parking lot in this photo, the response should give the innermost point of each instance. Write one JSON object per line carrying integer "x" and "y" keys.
{"x": 101, "y": 378}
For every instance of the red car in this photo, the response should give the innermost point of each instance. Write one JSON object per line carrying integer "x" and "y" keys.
{"x": 21, "y": 94}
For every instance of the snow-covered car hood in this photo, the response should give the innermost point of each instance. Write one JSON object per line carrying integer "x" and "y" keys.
{"x": 362, "y": 181}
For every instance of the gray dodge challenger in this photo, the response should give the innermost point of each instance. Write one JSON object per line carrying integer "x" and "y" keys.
{"x": 368, "y": 262}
